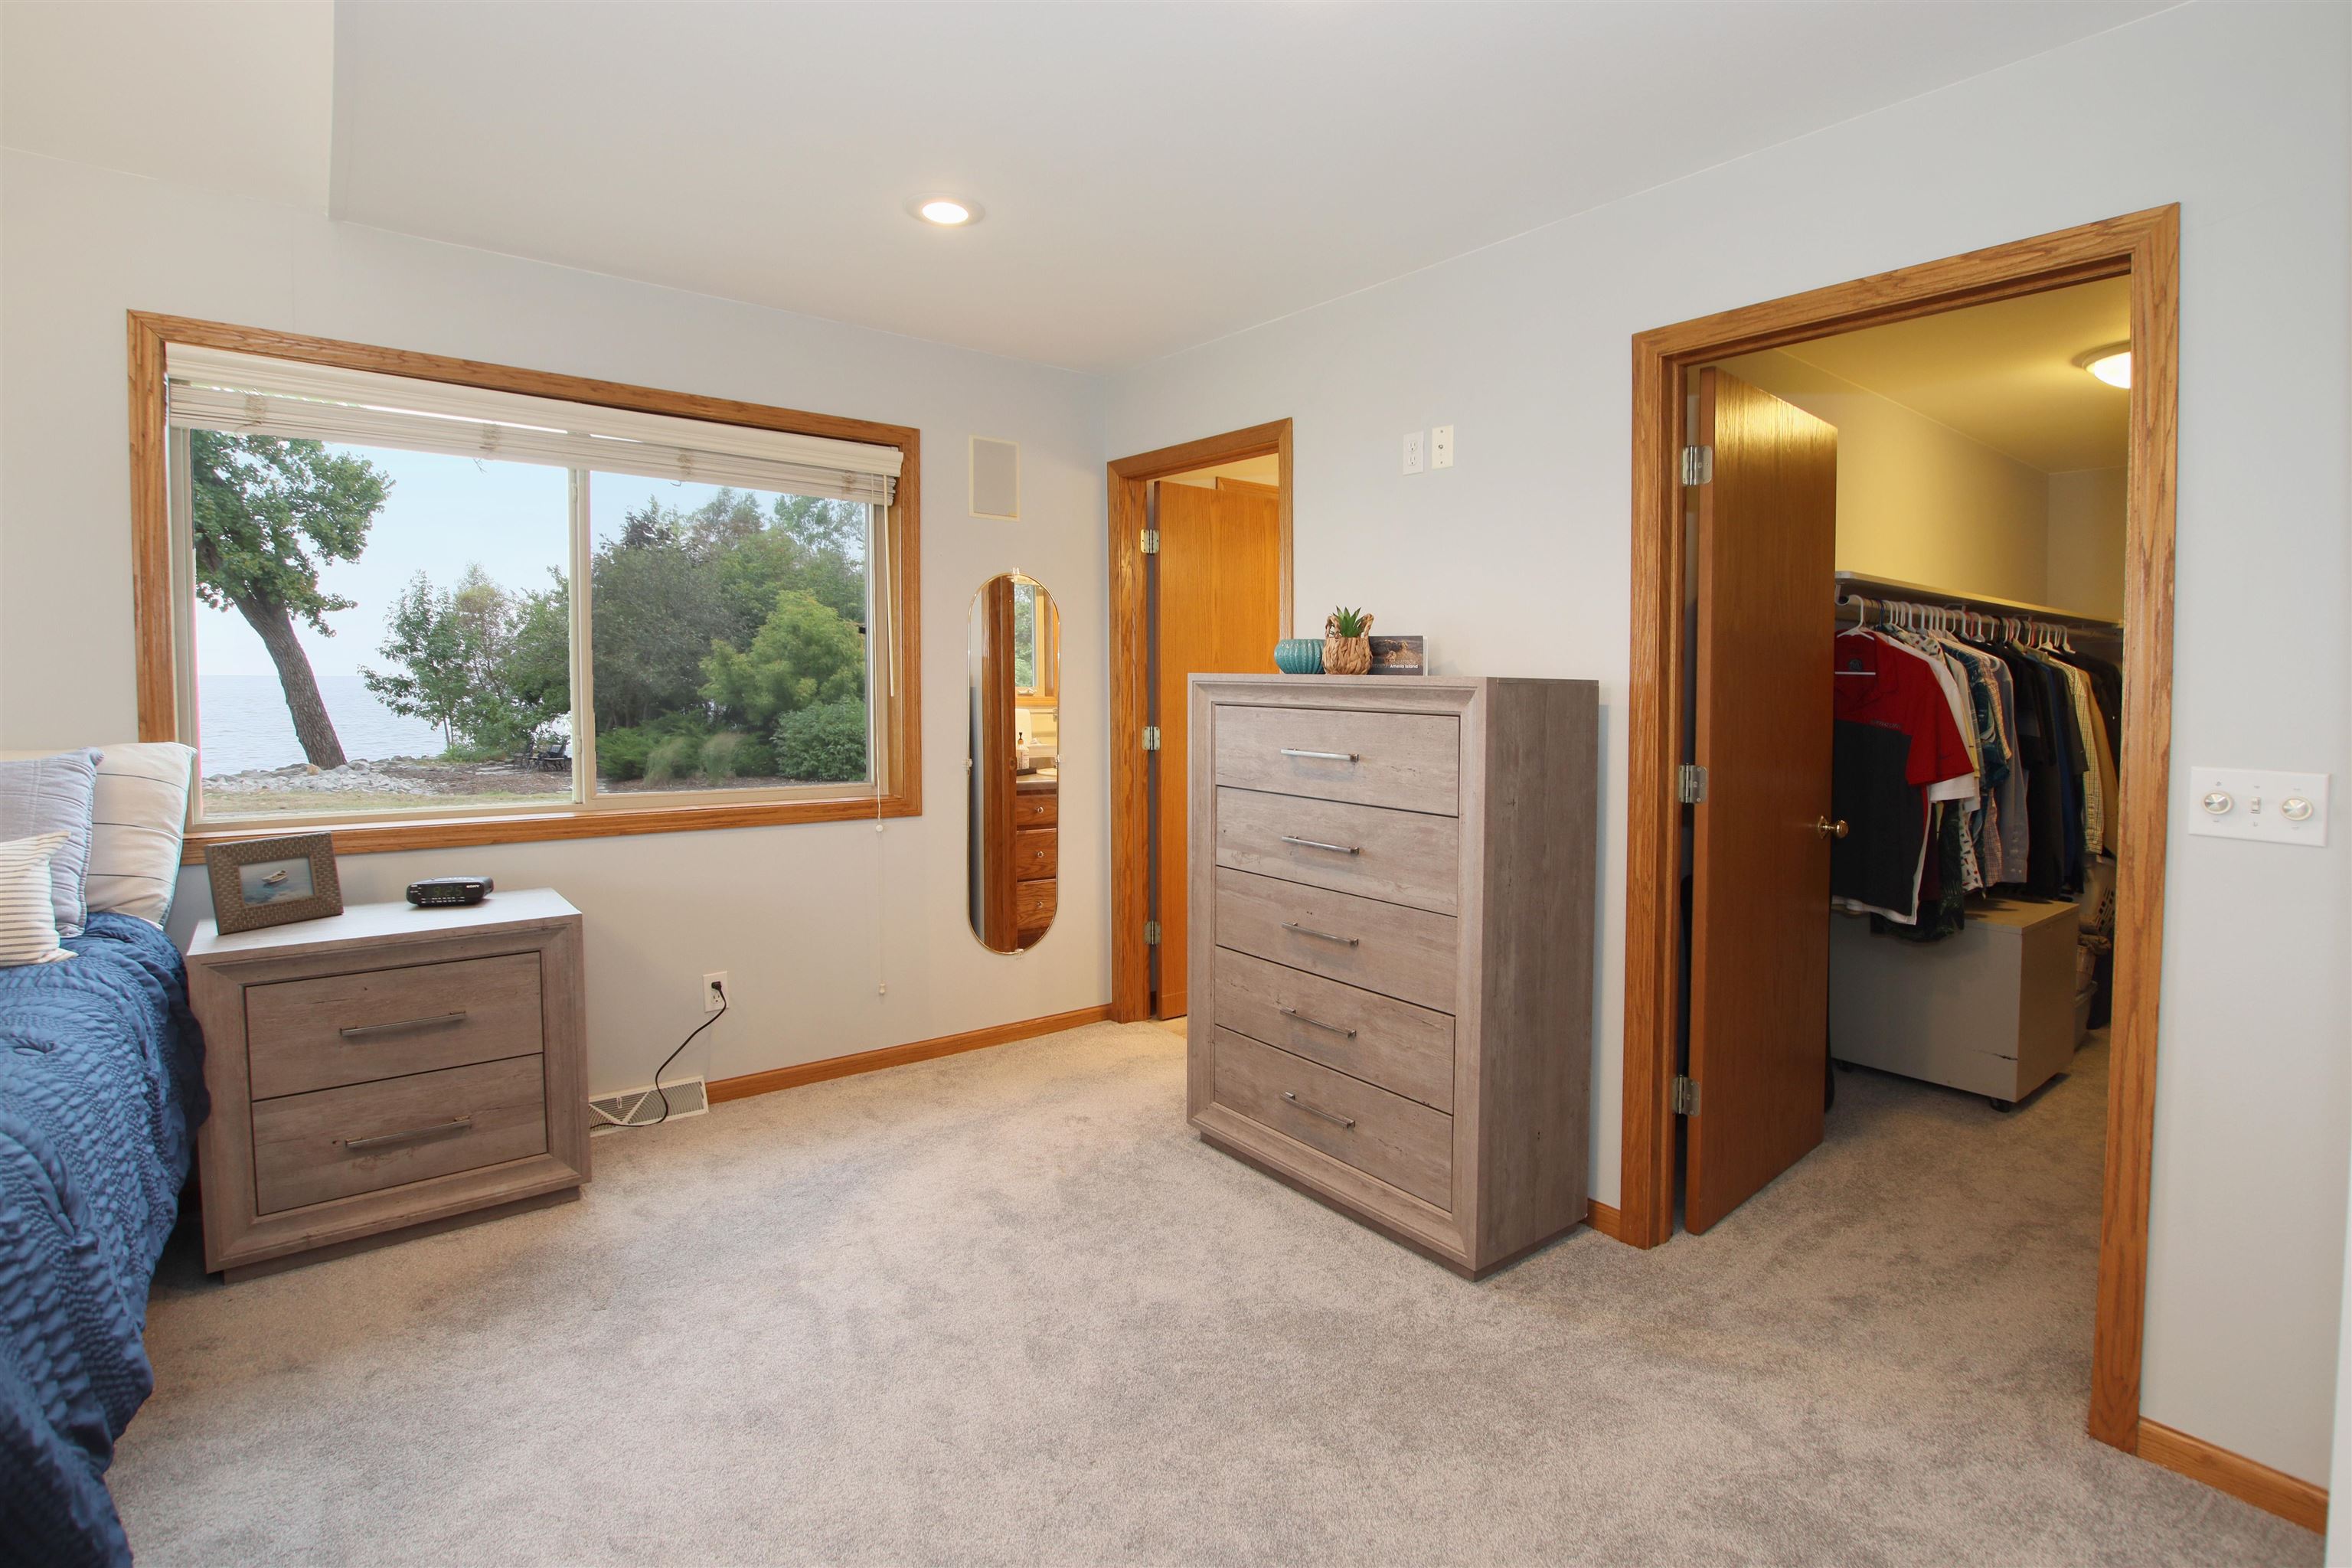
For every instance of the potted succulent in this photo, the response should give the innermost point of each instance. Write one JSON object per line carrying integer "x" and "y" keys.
{"x": 1347, "y": 643}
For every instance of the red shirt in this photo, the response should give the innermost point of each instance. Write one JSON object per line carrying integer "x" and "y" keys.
{"x": 1900, "y": 692}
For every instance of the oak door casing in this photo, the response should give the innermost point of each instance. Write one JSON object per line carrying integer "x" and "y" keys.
{"x": 1219, "y": 596}
{"x": 1760, "y": 865}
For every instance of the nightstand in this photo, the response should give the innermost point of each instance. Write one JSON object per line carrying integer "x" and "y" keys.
{"x": 387, "y": 1072}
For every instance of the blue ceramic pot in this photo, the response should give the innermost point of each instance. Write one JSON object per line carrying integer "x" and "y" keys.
{"x": 1299, "y": 655}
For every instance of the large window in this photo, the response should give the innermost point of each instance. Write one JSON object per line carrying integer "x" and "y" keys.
{"x": 420, "y": 608}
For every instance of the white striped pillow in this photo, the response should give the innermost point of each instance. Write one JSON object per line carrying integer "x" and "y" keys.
{"x": 138, "y": 818}
{"x": 28, "y": 920}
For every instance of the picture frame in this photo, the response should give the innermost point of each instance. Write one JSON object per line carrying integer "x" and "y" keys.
{"x": 259, "y": 882}
{"x": 1399, "y": 656}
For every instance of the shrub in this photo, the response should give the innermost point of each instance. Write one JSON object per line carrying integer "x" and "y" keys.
{"x": 672, "y": 758}
{"x": 621, "y": 753}
{"x": 732, "y": 755}
{"x": 824, "y": 743}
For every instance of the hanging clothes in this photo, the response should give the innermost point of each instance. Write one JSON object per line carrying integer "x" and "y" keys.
{"x": 1884, "y": 684}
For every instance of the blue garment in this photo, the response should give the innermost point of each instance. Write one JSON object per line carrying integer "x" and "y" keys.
{"x": 101, "y": 1087}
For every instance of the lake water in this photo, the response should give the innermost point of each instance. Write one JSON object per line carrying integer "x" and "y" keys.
{"x": 243, "y": 723}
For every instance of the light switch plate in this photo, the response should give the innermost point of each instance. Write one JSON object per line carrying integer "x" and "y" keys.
{"x": 2260, "y": 803}
{"x": 1412, "y": 464}
{"x": 1441, "y": 447}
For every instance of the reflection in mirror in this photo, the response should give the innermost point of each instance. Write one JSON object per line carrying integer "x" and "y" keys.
{"x": 1014, "y": 657}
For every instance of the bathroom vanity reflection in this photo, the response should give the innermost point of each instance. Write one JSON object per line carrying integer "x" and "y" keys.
{"x": 1014, "y": 658}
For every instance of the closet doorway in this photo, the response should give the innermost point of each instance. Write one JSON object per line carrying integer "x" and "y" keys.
{"x": 1748, "y": 693}
{"x": 1200, "y": 584}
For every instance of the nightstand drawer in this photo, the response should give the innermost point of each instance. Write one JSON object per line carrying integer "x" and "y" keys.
{"x": 335, "y": 1142}
{"x": 305, "y": 1035}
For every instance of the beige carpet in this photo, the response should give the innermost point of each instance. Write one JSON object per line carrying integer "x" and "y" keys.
{"x": 1003, "y": 1309}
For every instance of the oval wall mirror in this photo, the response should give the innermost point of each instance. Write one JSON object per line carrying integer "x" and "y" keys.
{"x": 1014, "y": 657}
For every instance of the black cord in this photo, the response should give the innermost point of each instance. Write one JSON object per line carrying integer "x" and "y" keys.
{"x": 717, "y": 986}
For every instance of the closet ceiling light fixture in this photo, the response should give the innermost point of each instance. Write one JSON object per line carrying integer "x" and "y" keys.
{"x": 947, "y": 212}
{"x": 2111, "y": 364}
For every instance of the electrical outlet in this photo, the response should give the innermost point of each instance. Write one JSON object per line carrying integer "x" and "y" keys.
{"x": 1441, "y": 447}
{"x": 1412, "y": 464}
{"x": 714, "y": 987}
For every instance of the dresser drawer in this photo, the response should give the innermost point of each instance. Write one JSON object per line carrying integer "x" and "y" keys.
{"x": 1392, "y": 1045}
{"x": 1412, "y": 761}
{"x": 335, "y": 1142}
{"x": 305, "y": 1035}
{"x": 1035, "y": 808}
{"x": 1406, "y": 954}
{"x": 1399, "y": 857}
{"x": 1033, "y": 904}
{"x": 1033, "y": 852}
{"x": 1408, "y": 1146}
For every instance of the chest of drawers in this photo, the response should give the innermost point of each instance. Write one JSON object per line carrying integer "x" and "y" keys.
{"x": 1391, "y": 904}
{"x": 386, "y": 1070}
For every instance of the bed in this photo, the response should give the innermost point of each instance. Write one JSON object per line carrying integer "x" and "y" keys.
{"x": 101, "y": 1087}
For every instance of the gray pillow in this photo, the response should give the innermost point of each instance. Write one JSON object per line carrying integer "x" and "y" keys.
{"x": 53, "y": 794}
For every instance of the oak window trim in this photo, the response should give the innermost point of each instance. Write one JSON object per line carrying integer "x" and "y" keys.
{"x": 156, "y": 620}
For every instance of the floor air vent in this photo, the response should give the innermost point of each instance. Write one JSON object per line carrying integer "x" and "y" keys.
{"x": 643, "y": 1107}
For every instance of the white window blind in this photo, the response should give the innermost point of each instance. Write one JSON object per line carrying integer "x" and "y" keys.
{"x": 247, "y": 394}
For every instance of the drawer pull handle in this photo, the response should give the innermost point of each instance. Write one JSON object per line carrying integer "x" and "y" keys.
{"x": 413, "y": 1135}
{"x": 1322, "y": 757}
{"x": 1318, "y": 844}
{"x": 1317, "y": 1023}
{"x": 361, "y": 1031}
{"x": 1318, "y": 1110}
{"x": 1324, "y": 935}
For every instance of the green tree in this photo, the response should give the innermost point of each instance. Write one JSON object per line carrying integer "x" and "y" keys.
{"x": 485, "y": 663}
{"x": 267, "y": 515}
{"x": 657, "y": 610}
{"x": 804, "y": 655}
{"x": 424, "y": 636}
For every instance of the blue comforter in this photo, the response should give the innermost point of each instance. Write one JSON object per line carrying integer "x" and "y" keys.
{"x": 101, "y": 1087}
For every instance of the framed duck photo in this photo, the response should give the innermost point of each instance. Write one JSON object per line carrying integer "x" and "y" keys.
{"x": 273, "y": 881}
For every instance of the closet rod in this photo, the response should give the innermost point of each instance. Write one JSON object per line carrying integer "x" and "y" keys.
{"x": 1869, "y": 587}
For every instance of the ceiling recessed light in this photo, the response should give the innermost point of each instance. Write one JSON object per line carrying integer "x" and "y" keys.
{"x": 947, "y": 212}
{"x": 2111, "y": 364}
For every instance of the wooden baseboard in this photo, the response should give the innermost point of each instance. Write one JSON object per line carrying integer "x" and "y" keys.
{"x": 2273, "y": 1492}
{"x": 1606, "y": 1220}
{"x": 768, "y": 1082}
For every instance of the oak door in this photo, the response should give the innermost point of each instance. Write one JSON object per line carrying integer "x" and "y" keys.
{"x": 1760, "y": 849}
{"x": 1218, "y": 611}
{"x": 997, "y": 780}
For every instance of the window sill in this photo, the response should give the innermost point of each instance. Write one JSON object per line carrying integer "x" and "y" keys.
{"x": 363, "y": 837}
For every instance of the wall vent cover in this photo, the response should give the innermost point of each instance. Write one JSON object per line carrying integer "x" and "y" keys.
{"x": 643, "y": 1107}
{"x": 996, "y": 479}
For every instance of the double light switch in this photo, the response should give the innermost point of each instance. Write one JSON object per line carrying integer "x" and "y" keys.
{"x": 2259, "y": 804}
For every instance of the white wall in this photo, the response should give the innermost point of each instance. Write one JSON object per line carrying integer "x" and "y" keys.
{"x": 808, "y": 918}
{"x": 1917, "y": 500}
{"x": 2089, "y": 511}
{"x": 1516, "y": 562}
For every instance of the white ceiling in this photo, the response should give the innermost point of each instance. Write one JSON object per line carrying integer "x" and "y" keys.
{"x": 1154, "y": 175}
{"x": 2003, "y": 374}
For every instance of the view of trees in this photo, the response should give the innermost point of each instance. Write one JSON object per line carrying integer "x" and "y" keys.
{"x": 730, "y": 643}
{"x": 729, "y": 638}
{"x": 267, "y": 514}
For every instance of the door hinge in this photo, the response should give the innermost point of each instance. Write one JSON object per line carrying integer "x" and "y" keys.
{"x": 1698, "y": 465}
{"x": 1151, "y": 934}
{"x": 1152, "y": 542}
{"x": 1685, "y": 1096}
{"x": 1690, "y": 783}
{"x": 1151, "y": 737}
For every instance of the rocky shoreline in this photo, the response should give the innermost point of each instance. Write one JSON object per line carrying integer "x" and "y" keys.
{"x": 389, "y": 775}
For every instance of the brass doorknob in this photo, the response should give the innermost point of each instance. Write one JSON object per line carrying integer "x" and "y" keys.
{"x": 1829, "y": 829}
